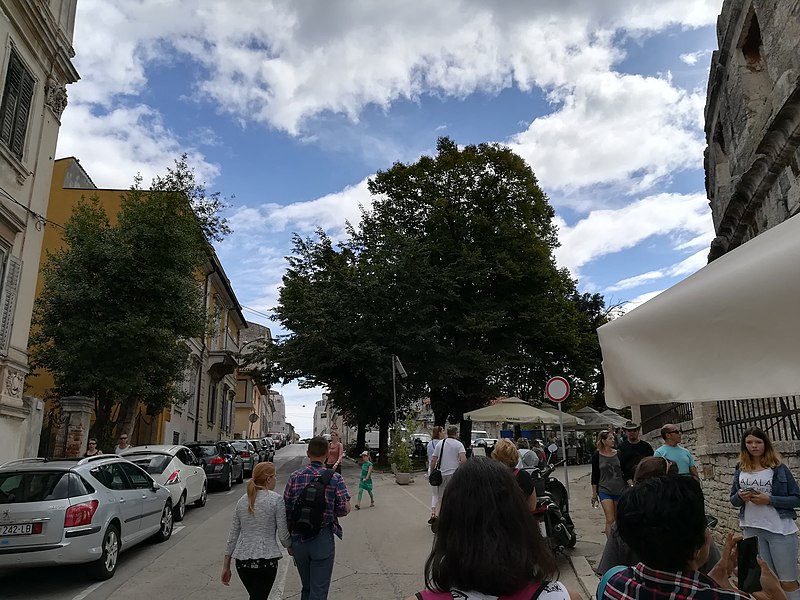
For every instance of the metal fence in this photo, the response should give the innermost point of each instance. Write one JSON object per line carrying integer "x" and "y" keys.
{"x": 655, "y": 416}
{"x": 778, "y": 417}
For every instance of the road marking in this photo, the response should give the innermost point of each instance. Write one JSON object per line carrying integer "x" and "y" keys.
{"x": 425, "y": 504}
{"x": 229, "y": 493}
{"x": 177, "y": 528}
{"x": 280, "y": 580}
{"x": 88, "y": 590}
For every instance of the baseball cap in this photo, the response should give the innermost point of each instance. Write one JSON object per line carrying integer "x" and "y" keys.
{"x": 365, "y": 453}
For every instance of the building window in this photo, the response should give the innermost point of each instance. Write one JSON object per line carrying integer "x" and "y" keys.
{"x": 16, "y": 106}
{"x": 10, "y": 271}
{"x": 212, "y": 403}
{"x": 176, "y": 437}
{"x": 756, "y": 82}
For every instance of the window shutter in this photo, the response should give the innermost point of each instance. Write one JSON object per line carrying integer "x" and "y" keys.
{"x": 23, "y": 110}
{"x": 10, "y": 98}
{"x": 8, "y": 302}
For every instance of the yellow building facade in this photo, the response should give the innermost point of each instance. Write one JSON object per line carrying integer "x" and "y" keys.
{"x": 210, "y": 379}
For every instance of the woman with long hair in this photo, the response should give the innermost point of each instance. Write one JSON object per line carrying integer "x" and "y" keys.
{"x": 259, "y": 521}
{"x": 488, "y": 542}
{"x": 766, "y": 494}
{"x": 608, "y": 482}
{"x": 335, "y": 454}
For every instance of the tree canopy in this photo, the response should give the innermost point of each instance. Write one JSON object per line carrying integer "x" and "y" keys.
{"x": 451, "y": 269}
{"x": 119, "y": 300}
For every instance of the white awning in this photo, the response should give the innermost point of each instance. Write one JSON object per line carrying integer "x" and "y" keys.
{"x": 511, "y": 410}
{"x": 730, "y": 331}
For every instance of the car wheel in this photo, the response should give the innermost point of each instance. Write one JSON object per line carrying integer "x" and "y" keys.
{"x": 240, "y": 479}
{"x": 104, "y": 567}
{"x": 180, "y": 508}
{"x": 229, "y": 481}
{"x": 165, "y": 530}
{"x": 201, "y": 501}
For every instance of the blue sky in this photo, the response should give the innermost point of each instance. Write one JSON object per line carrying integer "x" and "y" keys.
{"x": 290, "y": 107}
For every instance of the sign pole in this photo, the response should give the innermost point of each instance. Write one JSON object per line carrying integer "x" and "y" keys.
{"x": 563, "y": 447}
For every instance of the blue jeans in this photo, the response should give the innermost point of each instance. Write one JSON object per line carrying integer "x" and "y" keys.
{"x": 314, "y": 560}
{"x": 779, "y": 552}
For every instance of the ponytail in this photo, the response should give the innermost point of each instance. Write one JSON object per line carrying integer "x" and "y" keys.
{"x": 261, "y": 473}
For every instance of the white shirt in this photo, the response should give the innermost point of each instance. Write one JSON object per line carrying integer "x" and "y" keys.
{"x": 432, "y": 445}
{"x": 763, "y": 516}
{"x": 118, "y": 450}
{"x": 448, "y": 463}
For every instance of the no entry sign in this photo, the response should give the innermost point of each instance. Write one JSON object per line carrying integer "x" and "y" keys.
{"x": 557, "y": 389}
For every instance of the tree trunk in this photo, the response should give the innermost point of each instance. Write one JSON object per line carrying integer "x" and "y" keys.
{"x": 127, "y": 413}
{"x": 361, "y": 436}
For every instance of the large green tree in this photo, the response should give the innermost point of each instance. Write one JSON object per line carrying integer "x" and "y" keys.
{"x": 120, "y": 299}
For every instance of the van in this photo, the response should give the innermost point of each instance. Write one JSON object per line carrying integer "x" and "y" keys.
{"x": 478, "y": 433}
{"x": 371, "y": 440}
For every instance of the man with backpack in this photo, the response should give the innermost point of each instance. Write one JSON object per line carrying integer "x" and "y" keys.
{"x": 314, "y": 498}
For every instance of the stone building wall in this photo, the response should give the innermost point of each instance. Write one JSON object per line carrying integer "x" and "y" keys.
{"x": 753, "y": 120}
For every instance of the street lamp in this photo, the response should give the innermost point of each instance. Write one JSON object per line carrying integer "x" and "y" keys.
{"x": 397, "y": 367}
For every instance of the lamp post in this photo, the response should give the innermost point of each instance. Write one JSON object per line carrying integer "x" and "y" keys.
{"x": 397, "y": 368}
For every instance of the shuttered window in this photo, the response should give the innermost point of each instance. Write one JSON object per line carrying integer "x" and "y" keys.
{"x": 16, "y": 106}
{"x": 8, "y": 299}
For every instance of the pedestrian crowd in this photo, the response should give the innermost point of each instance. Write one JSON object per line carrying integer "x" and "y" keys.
{"x": 488, "y": 543}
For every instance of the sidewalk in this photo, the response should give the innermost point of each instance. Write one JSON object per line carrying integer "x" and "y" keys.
{"x": 384, "y": 548}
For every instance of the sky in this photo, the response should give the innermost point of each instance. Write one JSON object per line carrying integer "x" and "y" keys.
{"x": 288, "y": 108}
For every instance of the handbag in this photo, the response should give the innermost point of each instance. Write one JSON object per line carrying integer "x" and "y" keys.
{"x": 435, "y": 478}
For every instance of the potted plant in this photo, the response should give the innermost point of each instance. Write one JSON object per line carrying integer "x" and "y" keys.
{"x": 400, "y": 457}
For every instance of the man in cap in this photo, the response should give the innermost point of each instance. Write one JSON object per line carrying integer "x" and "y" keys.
{"x": 632, "y": 450}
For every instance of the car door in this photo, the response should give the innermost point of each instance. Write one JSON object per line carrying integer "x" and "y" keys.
{"x": 150, "y": 502}
{"x": 192, "y": 475}
{"x": 121, "y": 491}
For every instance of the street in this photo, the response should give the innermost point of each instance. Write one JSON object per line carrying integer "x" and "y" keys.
{"x": 381, "y": 556}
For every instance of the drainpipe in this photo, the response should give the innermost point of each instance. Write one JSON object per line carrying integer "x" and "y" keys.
{"x": 202, "y": 355}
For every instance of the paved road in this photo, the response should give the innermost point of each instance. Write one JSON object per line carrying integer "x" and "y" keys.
{"x": 381, "y": 556}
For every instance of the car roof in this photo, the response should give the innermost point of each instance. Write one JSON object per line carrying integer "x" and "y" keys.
{"x": 154, "y": 448}
{"x": 51, "y": 464}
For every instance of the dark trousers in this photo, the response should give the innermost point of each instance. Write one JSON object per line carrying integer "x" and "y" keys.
{"x": 314, "y": 560}
{"x": 258, "y": 576}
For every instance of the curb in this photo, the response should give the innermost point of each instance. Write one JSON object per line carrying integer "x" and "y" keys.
{"x": 586, "y": 576}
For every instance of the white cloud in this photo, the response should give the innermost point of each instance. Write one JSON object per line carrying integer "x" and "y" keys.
{"x": 613, "y": 128}
{"x": 691, "y": 58}
{"x": 693, "y": 263}
{"x": 608, "y": 231}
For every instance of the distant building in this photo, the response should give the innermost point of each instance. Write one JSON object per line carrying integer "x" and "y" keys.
{"x": 36, "y": 62}
{"x": 278, "y": 422}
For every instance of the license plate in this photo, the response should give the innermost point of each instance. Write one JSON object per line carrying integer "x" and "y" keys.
{"x": 18, "y": 529}
{"x": 542, "y": 529}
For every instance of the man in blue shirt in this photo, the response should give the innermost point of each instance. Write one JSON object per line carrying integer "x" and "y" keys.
{"x": 676, "y": 454}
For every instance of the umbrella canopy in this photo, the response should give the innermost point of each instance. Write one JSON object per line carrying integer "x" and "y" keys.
{"x": 613, "y": 418}
{"x": 570, "y": 421}
{"x": 592, "y": 419}
{"x": 728, "y": 332}
{"x": 511, "y": 410}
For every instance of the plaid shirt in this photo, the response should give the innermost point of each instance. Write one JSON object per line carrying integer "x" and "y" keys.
{"x": 643, "y": 583}
{"x": 336, "y": 497}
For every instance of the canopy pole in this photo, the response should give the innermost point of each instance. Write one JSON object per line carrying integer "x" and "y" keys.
{"x": 563, "y": 447}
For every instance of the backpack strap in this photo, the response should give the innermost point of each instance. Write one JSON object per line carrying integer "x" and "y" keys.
{"x": 540, "y": 587}
{"x": 326, "y": 476}
{"x": 601, "y": 587}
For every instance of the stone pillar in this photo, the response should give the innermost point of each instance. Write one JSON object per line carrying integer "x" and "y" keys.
{"x": 73, "y": 434}
{"x": 34, "y": 423}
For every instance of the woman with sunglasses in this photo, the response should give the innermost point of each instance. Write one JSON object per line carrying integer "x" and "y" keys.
{"x": 766, "y": 494}
{"x": 608, "y": 482}
{"x": 92, "y": 449}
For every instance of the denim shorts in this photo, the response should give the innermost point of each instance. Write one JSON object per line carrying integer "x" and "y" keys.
{"x": 604, "y": 496}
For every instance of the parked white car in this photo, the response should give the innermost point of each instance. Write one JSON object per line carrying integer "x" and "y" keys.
{"x": 177, "y": 469}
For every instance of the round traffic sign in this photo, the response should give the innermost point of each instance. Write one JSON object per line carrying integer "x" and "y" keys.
{"x": 253, "y": 417}
{"x": 557, "y": 389}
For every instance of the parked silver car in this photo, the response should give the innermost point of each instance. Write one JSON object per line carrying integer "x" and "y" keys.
{"x": 248, "y": 453}
{"x": 78, "y": 511}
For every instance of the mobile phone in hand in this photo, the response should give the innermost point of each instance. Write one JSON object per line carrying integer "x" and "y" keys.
{"x": 749, "y": 569}
{"x": 711, "y": 521}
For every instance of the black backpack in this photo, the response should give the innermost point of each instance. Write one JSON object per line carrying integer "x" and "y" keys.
{"x": 310, "y": 506}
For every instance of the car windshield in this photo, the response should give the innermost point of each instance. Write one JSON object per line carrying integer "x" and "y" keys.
{"x": 202, "y": 451}
{"x": 241, "y": 445}
{"x": 33, "y": 486}
{"x": 422, "y": 437}
{"x": 152, "y": 463}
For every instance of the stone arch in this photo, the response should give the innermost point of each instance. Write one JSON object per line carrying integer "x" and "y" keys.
{"x": 752, "y": 65}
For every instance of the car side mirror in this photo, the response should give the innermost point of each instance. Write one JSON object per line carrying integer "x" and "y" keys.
{"x": 154, "y": 486}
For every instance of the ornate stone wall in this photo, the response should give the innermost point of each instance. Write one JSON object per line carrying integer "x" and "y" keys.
{"x": 753, "y": 120}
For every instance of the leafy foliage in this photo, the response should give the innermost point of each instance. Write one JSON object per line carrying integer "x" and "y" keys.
{"x": 119, "y": 300}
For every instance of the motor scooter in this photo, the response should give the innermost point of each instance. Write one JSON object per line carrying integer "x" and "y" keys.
{"x": 552, "y": 507}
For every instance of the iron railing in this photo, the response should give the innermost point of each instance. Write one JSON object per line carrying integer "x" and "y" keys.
{"x": 655, "y": 416}
{"x": 778, "y": 417}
